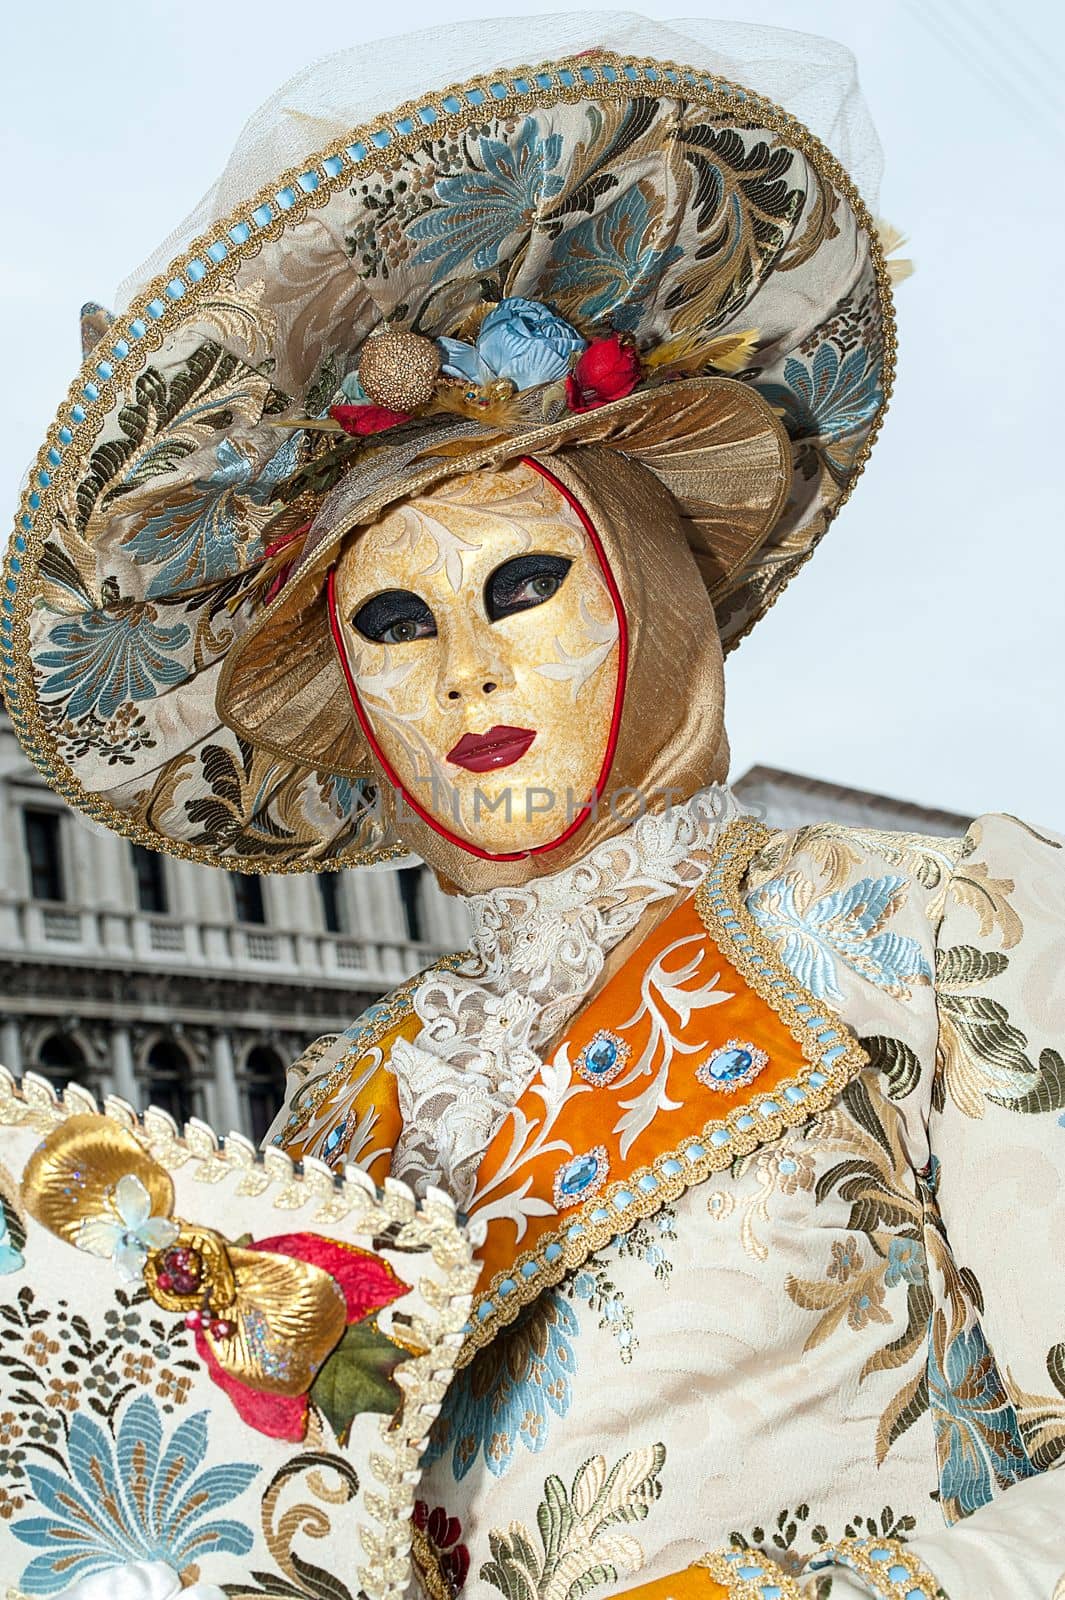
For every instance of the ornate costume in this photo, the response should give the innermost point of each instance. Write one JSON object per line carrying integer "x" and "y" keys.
{"x": 411, "y": 508}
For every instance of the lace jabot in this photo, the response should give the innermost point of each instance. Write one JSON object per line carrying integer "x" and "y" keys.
{"x": 536, "y": 952}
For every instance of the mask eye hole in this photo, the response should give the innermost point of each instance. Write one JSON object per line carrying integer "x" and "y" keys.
{"x": 395, "y": 617}
{"x": 523, "y": 582}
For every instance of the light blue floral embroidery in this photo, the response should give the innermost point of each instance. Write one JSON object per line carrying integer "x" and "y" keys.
{"x": 978, "y": 1439}
{"x": 476, "y": 212}
{"x": 905, "y": 1262}
{"x": 507, "y": 1394}
{"x": 206, "y": 538}
{"x": 105, "y": 658}
{"x": 130, "y": 1499}
{"x": 813, "y": 934}
{"x": 831, "y": 396}
{"x": 605, "y": 268}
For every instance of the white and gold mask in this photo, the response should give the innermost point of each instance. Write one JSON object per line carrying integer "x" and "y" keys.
{"x": 485, "y": 642}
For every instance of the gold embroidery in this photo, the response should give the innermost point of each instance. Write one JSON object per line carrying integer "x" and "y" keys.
{"x": 427, "y": 1566}
{"x": 48, "y": 483}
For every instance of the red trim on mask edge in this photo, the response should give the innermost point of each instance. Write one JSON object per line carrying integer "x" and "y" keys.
{"x": 615, "y": 719}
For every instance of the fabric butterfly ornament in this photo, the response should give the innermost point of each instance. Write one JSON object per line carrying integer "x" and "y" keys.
{"x": 273, "y": 1319}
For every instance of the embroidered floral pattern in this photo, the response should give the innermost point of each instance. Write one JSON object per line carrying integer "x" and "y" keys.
{"x": 816, "y": 932}
{"x": 583, "y": 1540}
{"x": 978, "y": 1437}
{"x": 478, "y": 210}
{"x": 509, "y": 1393}
{"x": 210, "y": 535}
{"x": 136, "y": 1494}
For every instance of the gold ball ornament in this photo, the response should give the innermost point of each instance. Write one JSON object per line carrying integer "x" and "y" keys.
{"x": 399, "y": 369}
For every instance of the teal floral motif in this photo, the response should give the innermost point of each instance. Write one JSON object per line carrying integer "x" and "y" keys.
{"x": 106, "y": 658}
{"x": 11, "y": 1257}
{"x": 507, "y": 1394}
{"x": 477, "y": 211}
{"x": 605, "y": 268}
{"x": 815, "y": 933}
{"x": 133, "y": 1498}
{"x": 978, "y": 1437}
{"x": 647, "y": 1242}
{"x": 832, "y": 395}
{"x": 905, "y": 1262}
{"x": 208, "y": 536}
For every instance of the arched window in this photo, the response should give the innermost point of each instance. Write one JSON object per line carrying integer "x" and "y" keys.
{"x": 264, "y": 1089}
{"x": 170, "y": 1084}
{"x": 61, "y": 1060}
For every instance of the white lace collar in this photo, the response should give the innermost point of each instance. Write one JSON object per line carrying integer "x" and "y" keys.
{"x": 537, "y": 951}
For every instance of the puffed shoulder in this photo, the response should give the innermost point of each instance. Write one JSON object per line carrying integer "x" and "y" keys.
{"x": 310, "y": 1074}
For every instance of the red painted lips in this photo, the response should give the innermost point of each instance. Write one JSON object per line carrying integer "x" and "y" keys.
{"x": 484, "y": 752}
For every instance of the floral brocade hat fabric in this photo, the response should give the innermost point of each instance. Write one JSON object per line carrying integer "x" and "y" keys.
{"x": 523, "y": 255}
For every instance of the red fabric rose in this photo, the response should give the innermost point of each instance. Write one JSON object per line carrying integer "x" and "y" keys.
{"x": 363, "y": 420}
{"x": 608, "y": 370}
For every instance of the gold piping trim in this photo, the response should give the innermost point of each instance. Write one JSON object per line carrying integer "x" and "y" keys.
{"x": 32, "y": 734}
{"x": 723, "y": 1571}
{"x": 855, "y": 1555}
{"x": 599, "y": 1219}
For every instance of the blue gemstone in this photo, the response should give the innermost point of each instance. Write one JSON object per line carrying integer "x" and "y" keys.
{"x": 727, "y": 1065}
{"x": 579, "y": 1174}
{"x": 601, "y": 1056}
{"x": 335, "y": 1139}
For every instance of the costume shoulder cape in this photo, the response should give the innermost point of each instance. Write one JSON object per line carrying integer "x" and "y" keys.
{"x": 698, "y": 1050}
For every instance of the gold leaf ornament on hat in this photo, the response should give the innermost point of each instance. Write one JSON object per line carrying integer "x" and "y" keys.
{"x": 269, "y": 1320}
{"x": 399, "y": 370}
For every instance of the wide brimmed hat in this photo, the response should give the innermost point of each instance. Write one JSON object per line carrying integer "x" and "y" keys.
{"x": 173, "y": 539}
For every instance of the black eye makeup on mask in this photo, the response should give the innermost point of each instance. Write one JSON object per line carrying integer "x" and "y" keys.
{"x": 522, "y": 582}
{"x": 395, "y": 617}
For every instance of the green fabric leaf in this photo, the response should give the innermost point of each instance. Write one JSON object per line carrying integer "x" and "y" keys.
{"x": 898, "y": 1065}
{"x": 357, "y": 1377}
{"x": 985, "y": 1027}
{"x": 964, "y": 965}
{"x": 1047, "y": 1092}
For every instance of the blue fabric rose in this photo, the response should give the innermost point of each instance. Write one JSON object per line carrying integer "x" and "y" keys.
{"x": 521, "y": 340}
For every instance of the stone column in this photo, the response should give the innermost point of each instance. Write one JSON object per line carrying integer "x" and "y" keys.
{"x": 125, "y": 1078}
{"x": 11, "y": 1045}
{"x": 227, "y": 1113}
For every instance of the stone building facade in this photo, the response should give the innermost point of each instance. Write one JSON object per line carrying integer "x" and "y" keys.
{"x": 191, "y": 988}
{"x": 140, "y": 975}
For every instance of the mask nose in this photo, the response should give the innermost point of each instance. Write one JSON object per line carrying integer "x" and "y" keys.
{"x": 473, "y": 669}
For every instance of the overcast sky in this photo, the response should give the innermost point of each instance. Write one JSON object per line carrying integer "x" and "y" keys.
{"x": 921, "y": 652}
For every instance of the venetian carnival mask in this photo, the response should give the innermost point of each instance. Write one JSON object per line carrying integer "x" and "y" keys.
{"x": 485, "y": 644}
